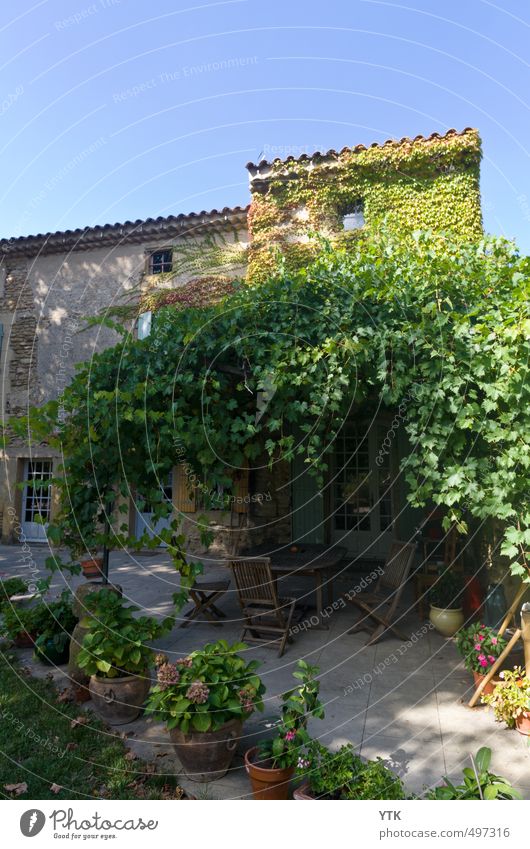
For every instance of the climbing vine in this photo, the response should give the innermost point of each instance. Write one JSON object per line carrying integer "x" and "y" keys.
{"x": 409, "y": 185}
{"x": 442, "y": 323}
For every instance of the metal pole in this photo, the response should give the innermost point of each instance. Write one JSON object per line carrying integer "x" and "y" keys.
{"x": 525, "y": 629}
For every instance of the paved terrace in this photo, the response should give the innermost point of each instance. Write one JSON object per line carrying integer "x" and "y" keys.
{"x": 402, "y": 702}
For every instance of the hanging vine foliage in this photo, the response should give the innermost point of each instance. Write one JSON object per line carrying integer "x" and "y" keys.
{"x": 440, "y": 323}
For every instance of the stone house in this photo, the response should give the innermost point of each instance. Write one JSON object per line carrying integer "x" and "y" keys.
{"x": 49, "y": 283}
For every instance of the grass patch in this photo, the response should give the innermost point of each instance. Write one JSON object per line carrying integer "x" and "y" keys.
{"x": 39, "y": 747}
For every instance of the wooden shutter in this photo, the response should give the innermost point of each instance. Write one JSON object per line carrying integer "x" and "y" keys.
{"x": 183, "y": 491}
{"x": 240, "y": 491}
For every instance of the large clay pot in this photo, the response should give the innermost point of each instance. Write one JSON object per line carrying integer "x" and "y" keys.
{"x": 267, "y": 783}
{"x": 207, "y": 755}
{"x": 119, "y": 700}
{"x": 447, "y": 622}
{"x": 490, "y": 686}
{"x": 51, "y": 655}
{"x": 522, "y": 723}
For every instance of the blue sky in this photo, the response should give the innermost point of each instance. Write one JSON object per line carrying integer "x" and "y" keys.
{"x": 120, "y": 109}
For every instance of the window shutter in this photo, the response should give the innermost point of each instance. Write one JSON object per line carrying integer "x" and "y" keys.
{"x": 183, "y": 492}
{"x": 240, "y": 490}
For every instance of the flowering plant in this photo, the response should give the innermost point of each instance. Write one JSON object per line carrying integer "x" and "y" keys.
{"x": 511, "y": 697}
{"x": 480, "y": 647}
{"x": 344, "y": 775}
{"x": 205, "y": 690}
{"x": 291, "y": 735}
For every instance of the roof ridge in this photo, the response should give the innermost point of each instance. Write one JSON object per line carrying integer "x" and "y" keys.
{"x": 14, "y": 242}
{"x": 308, "y": 157}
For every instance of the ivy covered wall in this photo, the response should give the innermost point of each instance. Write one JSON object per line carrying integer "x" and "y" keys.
{"x": 423, "y": 183}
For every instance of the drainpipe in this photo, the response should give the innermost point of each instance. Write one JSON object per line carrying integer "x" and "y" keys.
{"x": 525, "y": 628}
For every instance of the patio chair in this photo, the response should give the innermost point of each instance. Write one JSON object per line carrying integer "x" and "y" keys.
{"x": 380, "y": 606}
{"x": 264, "y": 612}
{"x": 204, "y": 594}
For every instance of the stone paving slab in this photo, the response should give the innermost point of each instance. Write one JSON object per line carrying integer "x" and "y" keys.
{"x": 411, "y": 711}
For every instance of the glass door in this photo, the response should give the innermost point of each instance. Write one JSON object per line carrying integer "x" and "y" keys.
{"x": 362, "y": 504}
{"x": 36, "y": 499}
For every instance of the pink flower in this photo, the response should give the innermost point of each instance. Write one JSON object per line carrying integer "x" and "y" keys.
{"x": 290, "y": 735}
{"x": 494, "y": 641}
{"x": 482, "y": 657}
{"x": 478, "y": 647}
{"x": 481, "y": 637}
{"x": 491, "y": 658}
{"x": 483, "y": 662}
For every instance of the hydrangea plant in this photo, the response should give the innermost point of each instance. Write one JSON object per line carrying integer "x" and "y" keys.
{"x": 205, "y": 690}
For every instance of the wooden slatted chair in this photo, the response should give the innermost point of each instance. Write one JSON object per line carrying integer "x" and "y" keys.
{"x": 380, "y": 606}
{"x": 204, "y": 594}
{"x": 264, "y": 612}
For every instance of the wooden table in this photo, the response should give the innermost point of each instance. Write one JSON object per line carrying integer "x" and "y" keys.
{"x": 309, "y": 561}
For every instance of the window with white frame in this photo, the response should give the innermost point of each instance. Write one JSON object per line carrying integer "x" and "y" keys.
{"x": 353, "y": 215}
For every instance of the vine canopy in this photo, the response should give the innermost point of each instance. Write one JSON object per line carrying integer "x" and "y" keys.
{"x": 442, "y": 323}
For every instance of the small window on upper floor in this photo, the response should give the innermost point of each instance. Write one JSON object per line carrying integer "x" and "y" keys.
{"x": 161, "y": 261}
{"x": 353, "y": 215}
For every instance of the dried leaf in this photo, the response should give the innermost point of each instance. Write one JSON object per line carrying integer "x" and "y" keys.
{"x": 79, "y": 720}
{"x": 130, "y": 756}
{"x": 56, "y": 788}
{"x": 17, "y": 789}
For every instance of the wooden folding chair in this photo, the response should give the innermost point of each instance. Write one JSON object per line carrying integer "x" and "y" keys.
{"x": 264, "y": 612}
{"x": 380, "y": 606}
{"x": 204, "y": 594}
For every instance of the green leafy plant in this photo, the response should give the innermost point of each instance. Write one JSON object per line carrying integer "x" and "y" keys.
{"x": 283, "y": 749}
{"x": 117, "y": 642}
{"x": 511, "y": 697}
{"x": 478, "y": 783}
{"x": 345, "y": 775}
{"x": 9, "y": 588}
{"x": 18, "y": 620}
{"x": 205, "y": 690}
{"x": 54, "y": 622}
{"x": 446, "y": 593}
{"x": 479, "y": 646}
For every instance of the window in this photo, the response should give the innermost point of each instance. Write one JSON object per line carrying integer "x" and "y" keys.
{"x": 144, "y": 324}
{"x": 161, "y": 261}
{"x": 37, "y": 492}
{"x": 353, "y": 216}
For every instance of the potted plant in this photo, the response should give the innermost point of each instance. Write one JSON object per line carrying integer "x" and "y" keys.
{"x": 344, "y": 775}
{"x": 116, "y": 657}
{"x": 92, "y": 567}
{"x": 10, "y": 588}
{"x": 19, "y": 625}
{"x": 510, "y": 700}
{"x": 55, "y": 623}
{"x": 204, "y": 699}
{"x": 445, "y": 598}
{"x": 480, "y": 646}
{"x": 271, "y": 764}
{"x": 478, "y": 783}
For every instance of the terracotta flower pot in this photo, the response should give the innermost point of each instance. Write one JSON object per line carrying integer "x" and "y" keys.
{"x": 267, "y": 783}
{"x": 522, "y": 723}
{"x": 92, "y": 567}
{"x": 207, "y": 755}
{"x": 478, "y": 677}
{"x": 24, "y": 640}
{"x": 446, "y": 621}
{"x": 119, "y": 700}
{"x": 303, "y": 792}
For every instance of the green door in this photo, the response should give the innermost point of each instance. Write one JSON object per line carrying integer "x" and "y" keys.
{"x": 307, "y": 504}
